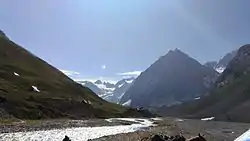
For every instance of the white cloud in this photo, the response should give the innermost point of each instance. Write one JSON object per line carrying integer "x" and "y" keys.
{"x": 130, "y": 74}
{"x": 70, "y": 73}
{"x": 104, "y": 67}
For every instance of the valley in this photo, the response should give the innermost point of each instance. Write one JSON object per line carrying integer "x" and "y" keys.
{"x": 124, "y": 70}
{"x": 120, "y": 129}
{"x": 82, "y": 130}
{"x": 48, "y": 106}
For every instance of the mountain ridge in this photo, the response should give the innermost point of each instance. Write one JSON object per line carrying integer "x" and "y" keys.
{"x": 158, "y": 85}
{"x": 221, "y": 65}
{"x": 33, "y": 89}
{"x": 229, "y": 99}
{"x": 108, "y": 91}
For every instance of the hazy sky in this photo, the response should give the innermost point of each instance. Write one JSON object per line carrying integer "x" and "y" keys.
{"x": 97, "y": 38}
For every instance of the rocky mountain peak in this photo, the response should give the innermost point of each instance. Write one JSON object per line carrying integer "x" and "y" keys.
{"x": 176, "y": 52}
{"x": 98, "y": 82}
{"x": 244, "y": 51}
{"x": 241, "y": 58}
{"x": 167, "y": 81}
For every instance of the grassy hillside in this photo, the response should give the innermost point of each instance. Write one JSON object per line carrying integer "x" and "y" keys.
{"x": 59, "y": 96}
{"x": 230, "y": 100}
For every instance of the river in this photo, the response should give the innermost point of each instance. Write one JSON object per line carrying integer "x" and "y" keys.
{"x": 80, "y": 133}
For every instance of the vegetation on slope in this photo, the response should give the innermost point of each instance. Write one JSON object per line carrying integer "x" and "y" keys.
{"x": 59, "y": 96}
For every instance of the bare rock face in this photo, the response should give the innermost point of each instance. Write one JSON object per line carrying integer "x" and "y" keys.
{"x": 171, "y": 80}
{"x": 229, "y": 99}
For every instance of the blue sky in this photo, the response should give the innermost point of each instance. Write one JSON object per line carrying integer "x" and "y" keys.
{"x": 108, "y": 38}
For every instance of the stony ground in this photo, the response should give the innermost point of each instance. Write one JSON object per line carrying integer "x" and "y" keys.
{"x": 10, "y": 126}
{"x": 213, "y": 131}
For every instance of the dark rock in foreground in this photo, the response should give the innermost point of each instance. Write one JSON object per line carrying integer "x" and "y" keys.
{"x": 176, "y": 138}
{"x": 66, "y": 138}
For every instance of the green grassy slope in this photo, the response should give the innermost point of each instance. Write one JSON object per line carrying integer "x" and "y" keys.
{"x": 59, "y": 96}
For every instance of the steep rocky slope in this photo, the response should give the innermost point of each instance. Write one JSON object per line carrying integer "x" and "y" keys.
{"x": 229, "y": 100}
{"x": 171, "y": 80}
{"x": 221, "y": 65}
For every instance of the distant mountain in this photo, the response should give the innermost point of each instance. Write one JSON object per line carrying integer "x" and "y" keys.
{"x": 30, "y": 88}
{"x": 171, "y": 80}
{"x": 229, "y": 100}
{"x": 221, "y": 65}
{"x": 108, "y": 91}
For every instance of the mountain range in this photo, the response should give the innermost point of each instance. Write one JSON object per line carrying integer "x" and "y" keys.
{"x": 175, "y": 85}
{"x": 109, "y": 91}
{"x": 30, "y": 88}
{"x": 229, "y": 100}
{"x": 172, "y": 79}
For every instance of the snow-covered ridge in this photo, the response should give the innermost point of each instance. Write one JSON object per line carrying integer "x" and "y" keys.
{"x": 109, "y": 91}
{"x": 78, "y": 134}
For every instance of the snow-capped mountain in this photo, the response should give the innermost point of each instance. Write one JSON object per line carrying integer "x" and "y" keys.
{"x": 221, "y": 65}
{"x": 109, "y": 91}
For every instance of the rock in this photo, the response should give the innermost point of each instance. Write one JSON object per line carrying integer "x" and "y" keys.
{"x": 179, "y": 138}
{"x": 66, "y": 138}
{"x": 198, "y": 138}
{"x": 3, "y": 99}
{"x": 167, "y": 138}
{"x": 157, "y": 138}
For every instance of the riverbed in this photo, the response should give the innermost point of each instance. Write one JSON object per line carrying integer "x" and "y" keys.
{"x": 79, "y": 133}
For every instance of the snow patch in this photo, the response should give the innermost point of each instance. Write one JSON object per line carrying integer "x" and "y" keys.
{"x": 208, "y": 119}
{"x": 156, "y": 119}
{"x": 16, "y": 74}
{"x": 35, "y": 89}
{"x": 179, "y": 120}
{"x": 197, "y": 98}
{"x": 102, "y": 86}
{"x": 129, "y": 81}
{"x": 78, "y": 134}
{"x": 220, "y": 69}
{"x": 128, "y": 103}
{"x": 120, "y": 97}
{"x": 85, "y": 101}
{"x": 136, "y": 120}
{"x": 120, "y": 85}
{"x": 89, "y": 102}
